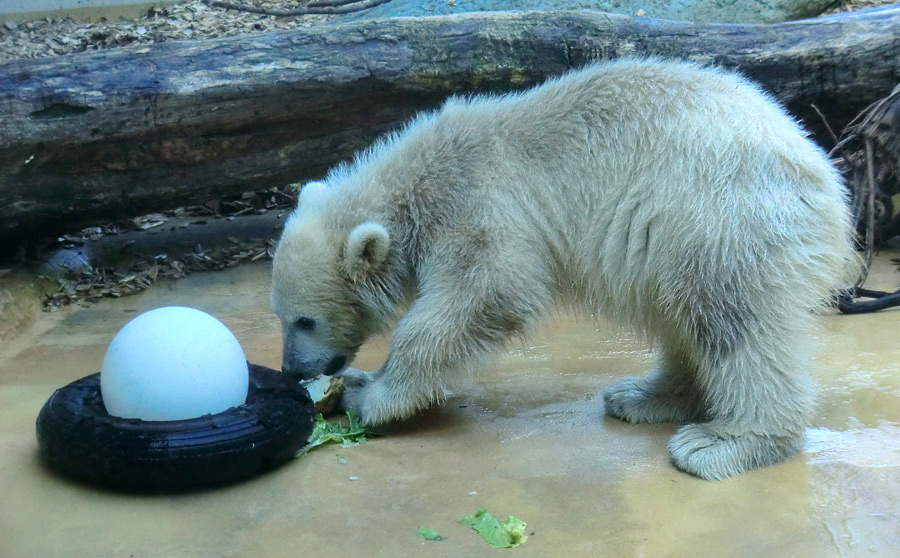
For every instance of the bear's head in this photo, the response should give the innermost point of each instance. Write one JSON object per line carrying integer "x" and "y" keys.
{"x": 320, "y": 277}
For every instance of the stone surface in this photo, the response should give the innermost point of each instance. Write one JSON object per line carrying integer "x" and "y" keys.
{"x": 528, "y": 438}
{"x": 20, "y": 302}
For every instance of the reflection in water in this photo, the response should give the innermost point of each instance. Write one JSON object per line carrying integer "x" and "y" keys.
{"x": 861, "y": 447}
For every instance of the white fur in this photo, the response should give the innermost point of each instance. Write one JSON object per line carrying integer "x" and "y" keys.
{"x": 366, "y": 249}
{"x": 679, "y": 200}
{"x": 312, "y": 194}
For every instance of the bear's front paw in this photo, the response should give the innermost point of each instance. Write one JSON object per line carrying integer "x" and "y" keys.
{"x": 355, "y": 382}
{"x": 355, "y": 379}
{"x": 368, "y": 395}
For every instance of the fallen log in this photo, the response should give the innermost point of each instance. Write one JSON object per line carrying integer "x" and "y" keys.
{"x": 90, "y": 137}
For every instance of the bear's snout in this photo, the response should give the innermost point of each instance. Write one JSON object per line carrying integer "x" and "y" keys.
{"x": 298, "y": 369}
{"x": 306, "y": 370}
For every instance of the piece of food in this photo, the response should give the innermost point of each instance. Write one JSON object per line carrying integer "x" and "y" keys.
{"x": 353, "y": 434}
{"x": 326, "y": 392}
{"x": 506, "y": 534}
{"x": 429, "y": 534}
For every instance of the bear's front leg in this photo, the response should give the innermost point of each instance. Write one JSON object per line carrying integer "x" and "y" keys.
{"x": 422, "y": 364}
{"x": 446, "y": 332}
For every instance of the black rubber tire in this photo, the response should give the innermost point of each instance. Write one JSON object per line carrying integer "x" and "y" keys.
{"x": 79, "y": 439}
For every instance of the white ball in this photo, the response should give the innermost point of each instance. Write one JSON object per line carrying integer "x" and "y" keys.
{"x": 173, "y": 363}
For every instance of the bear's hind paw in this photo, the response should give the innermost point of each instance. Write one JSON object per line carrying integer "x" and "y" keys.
{"x": 634, "y": 400}
{"x": 699, "y": 450}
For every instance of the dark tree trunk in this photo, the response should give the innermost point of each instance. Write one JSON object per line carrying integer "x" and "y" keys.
{"x": 89, "y": 137}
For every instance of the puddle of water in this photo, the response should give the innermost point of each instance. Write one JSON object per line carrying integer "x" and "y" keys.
{"x": 860, "y": 447}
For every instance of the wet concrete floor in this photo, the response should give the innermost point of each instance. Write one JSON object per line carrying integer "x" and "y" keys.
{"x": 527, "y": 438}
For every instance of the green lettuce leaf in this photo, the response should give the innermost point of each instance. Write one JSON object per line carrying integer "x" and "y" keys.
{"x": 506, "y": 534}
{"x": 429, "y": 534}
{"x": 351, "y": 435}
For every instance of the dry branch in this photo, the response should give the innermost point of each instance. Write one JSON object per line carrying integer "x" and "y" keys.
{"x": 89, "y": 137}
{"x": 328, "y": 7}
{"x": 869, "y": 154}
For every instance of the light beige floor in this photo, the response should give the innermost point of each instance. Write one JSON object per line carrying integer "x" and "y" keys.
{"x": 527, "y": 439}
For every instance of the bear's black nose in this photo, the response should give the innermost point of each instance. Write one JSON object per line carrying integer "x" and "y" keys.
{"x": 336, "y": 365}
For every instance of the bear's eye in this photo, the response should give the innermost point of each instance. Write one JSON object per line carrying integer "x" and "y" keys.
{"x": 305, "y": 324}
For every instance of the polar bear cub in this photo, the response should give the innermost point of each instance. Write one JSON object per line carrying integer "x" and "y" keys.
{"x": 679, "y": 200}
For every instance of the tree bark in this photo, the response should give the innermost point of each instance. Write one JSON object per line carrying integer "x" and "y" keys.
{"x": 91, "y": 137}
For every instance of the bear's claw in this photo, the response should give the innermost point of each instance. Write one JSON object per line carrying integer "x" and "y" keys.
{"x": 370, "y": 397}
{"x": 355, "y": 382}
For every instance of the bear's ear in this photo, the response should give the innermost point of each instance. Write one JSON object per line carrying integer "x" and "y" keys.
{"x": 312, "y": 194}
{"x": 365, "y": 250}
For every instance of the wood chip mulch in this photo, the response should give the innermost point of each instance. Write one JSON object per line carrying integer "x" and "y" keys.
{"x": 54, "y": 36}
{"x": 90, "y": 284}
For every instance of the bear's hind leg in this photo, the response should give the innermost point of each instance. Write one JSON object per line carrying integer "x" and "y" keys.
{"x": 667, "y": 394}
{"x": 759, "y": 400}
